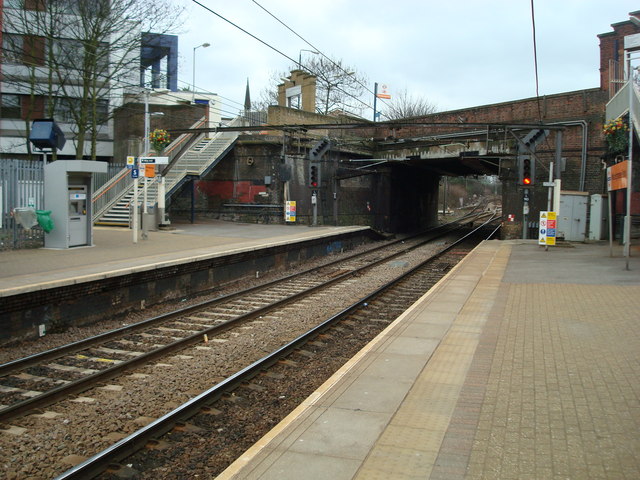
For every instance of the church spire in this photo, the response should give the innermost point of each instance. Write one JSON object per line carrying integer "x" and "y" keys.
{"x": 247, "y": 98}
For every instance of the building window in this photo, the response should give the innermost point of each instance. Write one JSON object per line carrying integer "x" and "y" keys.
{"x": 10, "y": 106}
{"x": 102, "y": 108}
{"x": 64, "y": 109}
{"x": 67, "y": 51}
{"x": 14, "y": 4}
{"x": 12, "y": 48}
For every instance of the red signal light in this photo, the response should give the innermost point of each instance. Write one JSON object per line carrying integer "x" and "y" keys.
{"x": 313, "y": 176}
{"x": 526, "y": 181}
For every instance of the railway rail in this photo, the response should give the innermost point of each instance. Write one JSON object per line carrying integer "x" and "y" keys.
{"x": 379, "y": 308}
{"x": 45, "y": 378}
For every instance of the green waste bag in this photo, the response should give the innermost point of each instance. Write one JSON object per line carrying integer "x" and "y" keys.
{"x": 45, "y": 220}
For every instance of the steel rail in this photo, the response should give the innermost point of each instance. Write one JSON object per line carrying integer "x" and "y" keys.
{"x": 124, "y": 448}
{"x": 85, "y": 383}
{"x": 14, "y": 365}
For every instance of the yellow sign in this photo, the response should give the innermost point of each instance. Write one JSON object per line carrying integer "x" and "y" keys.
{"x": 548, "y": 228}
{"x": 290, "y": 211}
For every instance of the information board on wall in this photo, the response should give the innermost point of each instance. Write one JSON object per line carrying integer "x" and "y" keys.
{"x": 548, "y": 228}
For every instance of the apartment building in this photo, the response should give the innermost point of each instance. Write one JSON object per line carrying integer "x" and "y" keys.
{"x": 74, "y": 61}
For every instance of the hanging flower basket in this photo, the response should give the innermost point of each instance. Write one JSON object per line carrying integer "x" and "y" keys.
{"x": 616, "y": 134}
{"x": 159, "y": 139}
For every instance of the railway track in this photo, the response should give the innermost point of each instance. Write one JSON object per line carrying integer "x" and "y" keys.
{"x": 372, "y": 312}
{"x": 42, "y": 379}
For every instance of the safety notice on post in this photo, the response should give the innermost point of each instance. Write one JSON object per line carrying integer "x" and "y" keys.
{"x": 548, "y": 228}
{"x": 290, "y": 212}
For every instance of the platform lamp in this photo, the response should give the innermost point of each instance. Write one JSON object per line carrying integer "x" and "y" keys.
{"x": 314, "y": 52}
{"x": 45, "y": 134}
{"x": 193, "y": 85}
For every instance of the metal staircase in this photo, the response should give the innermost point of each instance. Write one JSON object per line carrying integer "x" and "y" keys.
{"x": 191, "y": 156}
{"x": 620, "y": 104}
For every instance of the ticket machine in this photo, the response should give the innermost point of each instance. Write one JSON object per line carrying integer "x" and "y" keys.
{"x": 67, "y": 194}
{"x": 77, "y": 215}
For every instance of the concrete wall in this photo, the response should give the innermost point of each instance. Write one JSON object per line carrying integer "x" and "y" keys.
{"x": 87, "y": 303}
{"x": 129, "y": 125}
{"x": 236, "y": 189}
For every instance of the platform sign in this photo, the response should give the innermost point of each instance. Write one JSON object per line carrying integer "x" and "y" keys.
{"x": 617, "y": 176}
{"x": 290, "y": 212}
{"x": 154, "y": 160}
{"x": 135, "y": 173}
{"x": 548, "y": 228}
{"x": 131, "y": 162}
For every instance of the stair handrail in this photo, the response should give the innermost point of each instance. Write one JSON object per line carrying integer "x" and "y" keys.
{"x": 185, "y": 141}
{"x": 118, "y": 186}
{"x": 232, "y": 136}
{"x": 178, "y": 179}
{"x": 109, "y": 193}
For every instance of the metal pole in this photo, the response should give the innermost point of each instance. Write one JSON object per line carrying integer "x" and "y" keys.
{"x": 558, "y": 163}
{"x": 525, "y": 214}
{"x": 550, "y": 193}
{"x": 193, "y": 201}
{"x": 140, "y": 167}
{"x": 375, "y": 100}
{"x": 135, "y": 210}
{"x": 193, "y": 82}
{"x": 146, "y": 122}
{"x": 314, "y": 202}
{"x": 444, "y": 195}
{"x": 610, "y": 209}
{"x": 627, "y": 219}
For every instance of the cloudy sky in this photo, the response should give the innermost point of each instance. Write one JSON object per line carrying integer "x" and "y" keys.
{"x": 455, "y": 53}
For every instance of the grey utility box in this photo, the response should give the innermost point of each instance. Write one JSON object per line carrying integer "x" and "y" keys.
{"x": 599, "y": 217}
{"x": 572, "y": 221}
{"x": 67, "y": 194}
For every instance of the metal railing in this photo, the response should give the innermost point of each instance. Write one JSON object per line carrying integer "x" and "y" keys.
{"x": 111, "y": 191}
{"x": 121, "y": 181}
{"x": 21, "y": 185}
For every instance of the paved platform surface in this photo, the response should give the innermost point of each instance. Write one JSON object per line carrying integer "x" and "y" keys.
{"x": 115, "y": 253}
{"x": 520, "y": 364}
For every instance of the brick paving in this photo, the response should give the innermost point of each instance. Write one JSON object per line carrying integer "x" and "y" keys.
{"x": 525, "y": 364}
{"x": 554, "y": 388}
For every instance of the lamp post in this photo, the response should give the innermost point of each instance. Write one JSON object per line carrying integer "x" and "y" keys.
{"x": 300, "y": 56}
{"x": 193, "y": 85}
{"x": 147, "y": 128}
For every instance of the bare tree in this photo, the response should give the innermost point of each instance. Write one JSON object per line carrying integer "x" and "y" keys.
{"x": 81, "y": 54}
{"x": 404, "y": 105}
{"x": 339, "y": 86}
{"x": 269, "y": 94}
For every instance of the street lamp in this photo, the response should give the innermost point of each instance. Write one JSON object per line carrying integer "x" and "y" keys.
{"x": 193, "y": 85}
{"x": 300, "y": 56}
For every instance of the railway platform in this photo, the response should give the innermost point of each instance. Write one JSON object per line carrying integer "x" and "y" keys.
{"x": 114, "y": 252}
{"x": 521, "y": 363}
{"x": 43, "y": 289}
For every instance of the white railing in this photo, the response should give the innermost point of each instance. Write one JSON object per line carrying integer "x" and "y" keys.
{"x": 111, "y": 192}
{"x": 121, "y": 183}
{"x": 196, "y": 163}
{"x": 619, "y": 104}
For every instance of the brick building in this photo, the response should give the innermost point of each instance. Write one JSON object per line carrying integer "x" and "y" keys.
{"x": 250, "y": 183}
